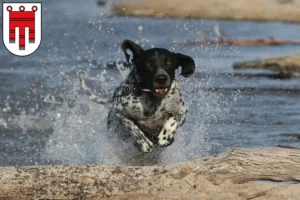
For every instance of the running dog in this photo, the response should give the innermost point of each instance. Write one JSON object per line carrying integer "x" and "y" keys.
{"x": 148, "y": 104}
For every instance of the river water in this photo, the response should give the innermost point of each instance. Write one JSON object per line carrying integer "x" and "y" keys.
{"x": 45, "y": 118}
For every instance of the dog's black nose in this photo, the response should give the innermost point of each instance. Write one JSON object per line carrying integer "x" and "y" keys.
{"x": 161, "y": 78}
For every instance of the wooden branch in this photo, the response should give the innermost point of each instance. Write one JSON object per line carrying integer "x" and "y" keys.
{"x": 258, "y": 42}
{"x": 221, "y": 174}
{"x": 202, "y": 36}
{"x": 218, "y": 33}
{"x": 221, "y": 41}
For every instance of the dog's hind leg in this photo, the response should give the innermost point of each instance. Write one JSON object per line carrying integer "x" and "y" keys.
{"x": 91, "y": 95}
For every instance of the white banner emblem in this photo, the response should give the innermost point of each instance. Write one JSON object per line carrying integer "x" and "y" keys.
{"x": 22, "y": 27}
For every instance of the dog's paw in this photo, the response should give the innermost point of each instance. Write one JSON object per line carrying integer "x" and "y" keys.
{"x": 166, "y": 135}
{"x": 166, "y": 141}
{"x": 145, "y": 145}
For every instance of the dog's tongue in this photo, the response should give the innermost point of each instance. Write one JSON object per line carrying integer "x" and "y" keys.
{"x": 161, "y": 90}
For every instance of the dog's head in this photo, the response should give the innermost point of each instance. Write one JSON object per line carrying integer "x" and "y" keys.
{"x": 155, "y": 68}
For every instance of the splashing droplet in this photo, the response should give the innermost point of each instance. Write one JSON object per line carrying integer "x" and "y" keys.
{"x": 140, "y": 27}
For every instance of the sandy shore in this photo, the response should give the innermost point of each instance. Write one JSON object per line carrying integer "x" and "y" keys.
{"x": 231, "y": 175}
{"x": 261, "y": 10}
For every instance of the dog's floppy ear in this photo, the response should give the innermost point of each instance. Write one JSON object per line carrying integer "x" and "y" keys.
{"x": 134, "y": 48}
{"x": 187, "y": 64}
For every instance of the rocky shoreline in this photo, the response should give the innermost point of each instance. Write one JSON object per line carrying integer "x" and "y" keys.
{"x": 287, "y": 66}
{"x": 258, "y": 10}
{"x": 235, "y": 174}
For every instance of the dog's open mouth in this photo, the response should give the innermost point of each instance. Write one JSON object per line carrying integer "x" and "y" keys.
{"x": 161, "y": 90}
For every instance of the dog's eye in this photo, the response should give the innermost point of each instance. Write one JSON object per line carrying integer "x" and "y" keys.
{"x": 169, "y": 63}
{"x": 147, "y": 64}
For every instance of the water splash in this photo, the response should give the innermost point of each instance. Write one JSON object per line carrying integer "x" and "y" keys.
{"x": 80, "y": 134}
{"x": 77, "y": 131}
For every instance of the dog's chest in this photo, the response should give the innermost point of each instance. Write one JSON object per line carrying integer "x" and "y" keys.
{"x": 168, "y": 107}
{"x": 147, "y": 112}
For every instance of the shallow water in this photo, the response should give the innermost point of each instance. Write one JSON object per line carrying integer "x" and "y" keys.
{"x": 46, "y": 119}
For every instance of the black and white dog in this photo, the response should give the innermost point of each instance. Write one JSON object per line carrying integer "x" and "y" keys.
{"x": 148, "y": 104}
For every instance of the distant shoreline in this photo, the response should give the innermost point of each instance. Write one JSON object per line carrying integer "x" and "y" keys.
{"x": 254, "y": 10}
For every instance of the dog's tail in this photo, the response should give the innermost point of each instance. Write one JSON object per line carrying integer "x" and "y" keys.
{"x": 91, "y": 95}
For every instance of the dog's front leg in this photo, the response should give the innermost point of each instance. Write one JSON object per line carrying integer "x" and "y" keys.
{"x": 143, "y": 142}
{"x": 166, "y": 135}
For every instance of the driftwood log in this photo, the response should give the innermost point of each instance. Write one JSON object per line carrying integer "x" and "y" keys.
{"x": 226, "y": 40}
{"x": 229, "y": 175}
{"x": 287, "y": 66}
{"x": 270, "y": 41}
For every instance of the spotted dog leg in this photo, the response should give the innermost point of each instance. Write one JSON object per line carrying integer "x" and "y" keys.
{"x": 91, "y": 95}
{"x": 142, "y": 141}
{"x": 166, "y": 135}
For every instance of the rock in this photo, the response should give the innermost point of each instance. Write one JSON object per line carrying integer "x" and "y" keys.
{"x": 180, "y": 173}
{"x": 230, "y": 175}
{"x": 296, "y": 135}
{"x": 287, "y": 66}
{"x": 101, "y": 3}
{"x": 260, "y": 10}
{"x": 287, "y": 147}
